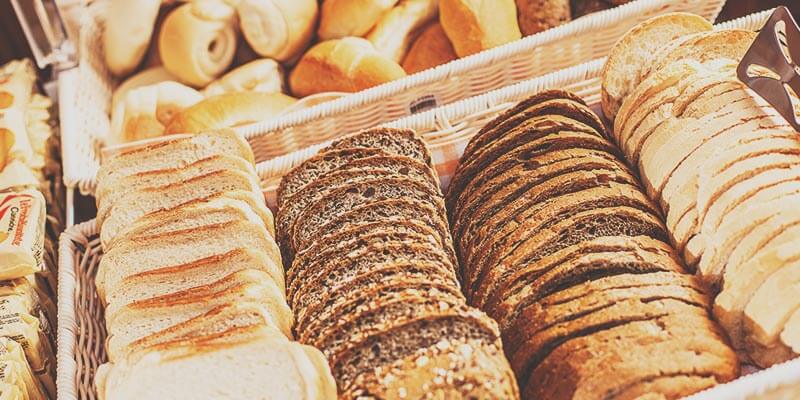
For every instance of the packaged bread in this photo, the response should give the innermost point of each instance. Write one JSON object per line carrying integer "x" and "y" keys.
{"x": 349, "y": 64}
{"x": 476, "y": 25}
{"x": 15, "y": 371}
{"x": 264, "y": 75}
{"x": 22, "y": 219}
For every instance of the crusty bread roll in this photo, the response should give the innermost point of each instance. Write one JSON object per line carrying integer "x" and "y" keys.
{"x": 340, "y": 18}
{"x": 198, "y": 41}
{"x": 540, "y": 15}
{"x": 229, "y": 110}
{"x": 431, "y": 48}
{"x": 343, "y": 65}
{"x": 264, "y": 75}
{"x": 145, "y": 111}
{"x": 278, "y": 29}
{"x": 148, "y": 77}
{"x": 398, "y": 28}
{"x": 129, "y": 26}
{"x": 476, "y": 25}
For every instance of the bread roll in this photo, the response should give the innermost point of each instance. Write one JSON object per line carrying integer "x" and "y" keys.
{"x": 398, "y": 28}
{"x": 278, "y": 29}
{"x": 431, "y": 48}
{"x": 475, "y": 25}
{"x": 263, "y": 75}
{"x": 342, "y": 65}
{"x": 148, "y": 77}
{"x": 145, "y": 111}
{"x": 340, "y": 18}
{"x": 198, "y": 41}
{"x": 127, "y": 33}
{"x": 540, "y": 15}
{"x": 229, "y": 110}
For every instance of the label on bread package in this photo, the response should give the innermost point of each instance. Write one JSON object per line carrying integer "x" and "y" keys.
{"x": 22, "y": 221}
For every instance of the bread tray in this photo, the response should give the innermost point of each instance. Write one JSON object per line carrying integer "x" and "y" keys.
{"x": 87, "y": 96}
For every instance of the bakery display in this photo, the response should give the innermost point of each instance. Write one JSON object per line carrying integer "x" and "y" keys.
{"x": 372, "y": 278}
{"x": 31, "y": 218}
{"x": 191, "y": 279}
{"x": 722, "y": 164}
{"x": 560, "y": 245}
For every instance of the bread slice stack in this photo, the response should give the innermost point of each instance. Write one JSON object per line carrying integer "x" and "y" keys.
{"x": 192, "y": 280}
{"x": 724, "y": 166}
{"x": 373, "y": 281}
{"x": 559, "y": 244}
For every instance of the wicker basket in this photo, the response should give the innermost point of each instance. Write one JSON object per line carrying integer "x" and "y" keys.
{"x": 577, "y": 42}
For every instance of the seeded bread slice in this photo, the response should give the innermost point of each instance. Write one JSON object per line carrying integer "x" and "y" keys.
{"x": 348, "y": 197}
{"x": 471, "y": 368}
{"x": 404, "y": 142}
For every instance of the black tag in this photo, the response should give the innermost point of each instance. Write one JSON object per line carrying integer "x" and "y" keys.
{"x": 770, "y": 65}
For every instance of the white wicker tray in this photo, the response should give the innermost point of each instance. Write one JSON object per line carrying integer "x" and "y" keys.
{"x": 577, "y": 42}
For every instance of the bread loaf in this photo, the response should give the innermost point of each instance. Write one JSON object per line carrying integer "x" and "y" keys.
{"x": 474, "y": 25}
{"x": 432, "y": 48}
{"x": 342, "y": 65}
{"x": 198, "y": 41}
{"x": 341, "y": 18}
{"x": 227, "y": 111}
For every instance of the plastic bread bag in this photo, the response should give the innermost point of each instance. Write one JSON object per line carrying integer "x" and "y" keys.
{"x": 10, "y": 392}
{"x": 15, "y": 371}
{"x": 17, "y": 80}
{"x": 22, "y": 327}
{"x": 22, "y": 220}
{"x": 25, "y": 293}
{"x": 17, "y": 175}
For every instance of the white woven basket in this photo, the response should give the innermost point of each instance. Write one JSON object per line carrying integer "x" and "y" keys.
{"x": 576, "y": 42}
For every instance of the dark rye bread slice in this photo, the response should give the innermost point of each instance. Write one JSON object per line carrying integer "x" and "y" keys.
{"x": 382, "y": 211}
{"x": 382, "y": 167}
{"x": 452, "y": 370}
{"x": 584, "y": 226}
{"x": 452, "y": 323}
{"x": 351, "y": 236}
{"x": 348, "y": 197}
{"x": 614, "y": 367}
{"x": 535, "y": 316}
{"x": 530, "y": 130}
{"x": 548, "y": 210}
{"x": 404, "y": 142}
{"x": 536, "y": 346}
{"x": 339, "y": 307}
{"x": 559, "y": 178}
{"x": 534, "y": 161}
{"x": 379, "y": 316}
{"x": 556, "y": 107}
{"x": 520, "y": 107}
{"x": 562, "y": 366}
{"x": 319, "y": 269}
{"x": 386, "y": 274}
{"x": 319, "y": 165}
{"x": 339, "y": 272}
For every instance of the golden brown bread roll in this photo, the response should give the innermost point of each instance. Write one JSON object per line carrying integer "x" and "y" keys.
{"x": 540, "y": 15}
{"x": 431, "y": 48}
{"x": 340, "y": 18}
{"x": 476, "y": 25}
{"x": 278, "y": 29}
{"x": 397, "y": 29}
{"x": 229, "y": 110}
{"x": 129, "y": 26}
{"x": 264, "y": 75}
{"x": 342, "y": 65}
{"x": 198, "y": 41}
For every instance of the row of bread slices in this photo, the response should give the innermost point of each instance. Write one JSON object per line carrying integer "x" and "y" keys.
{"x": 559, "y": 244}
{"x": 364, "y": 43}
{"x": 724, "y": 166}
{"x": 373, "y": 280}
{"x": 191, "y": 279}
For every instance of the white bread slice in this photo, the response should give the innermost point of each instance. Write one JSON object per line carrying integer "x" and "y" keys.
{"x": 161, "y": 282}
{"x": 741, "y": 283}
{"x": 783, "y": 228}
{"x": 626, "y": 62}
{"x": 162, "y": 177}
{"x": 128, "y": 209}
{"x": 249, "y": 363}
{"x": 173, "y": 153}
{"x": 772, "y": 304}
{"x": 133, "y": 256}
{"x": 790, "y": 337}
{"x": 144, "y": 318}
{"x": 706, "y": 46}
{"x": 215, "y": 209}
